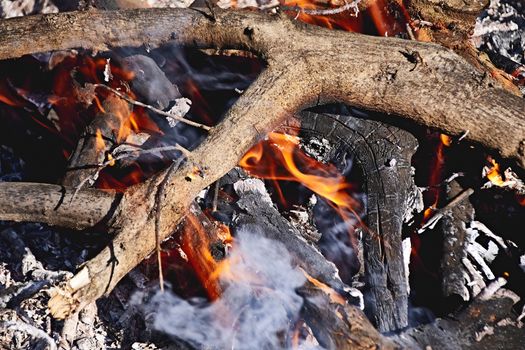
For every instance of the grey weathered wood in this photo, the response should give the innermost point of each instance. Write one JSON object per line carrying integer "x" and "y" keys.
{"x": 455, "y": 241}
{"x": 384, "y": 153}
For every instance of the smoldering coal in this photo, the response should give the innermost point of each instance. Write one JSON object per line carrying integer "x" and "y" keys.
{"x": 257, "y": 309}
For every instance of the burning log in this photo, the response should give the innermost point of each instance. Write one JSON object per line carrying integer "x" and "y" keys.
{"x": 384, "y": 156}
{"x": 259, "y": 215}
{"x": 441, "y": 77}
{"x": 474, "y": 327}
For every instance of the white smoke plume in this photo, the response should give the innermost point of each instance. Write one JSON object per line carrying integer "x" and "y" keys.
{"x": 257, "y": 309}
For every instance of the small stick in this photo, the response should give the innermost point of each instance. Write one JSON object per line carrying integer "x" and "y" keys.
{"x": 216, "y": 195}
{"x": 438, "y": 214}
{"x": 156, "y": 110}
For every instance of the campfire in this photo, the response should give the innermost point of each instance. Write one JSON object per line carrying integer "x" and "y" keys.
{"x": 262, "y": 174}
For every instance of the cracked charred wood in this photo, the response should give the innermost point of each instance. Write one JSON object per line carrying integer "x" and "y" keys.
{"x": 384, "y": 154}
{"x": 258, "y": 215}
{"x": 443, "y": 91}
{"x": 487, "y": 323}
{"x": 455, "y": 242}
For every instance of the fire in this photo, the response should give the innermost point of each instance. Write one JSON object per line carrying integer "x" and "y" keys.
{"x": 99, "y": 141}
{"x": 494, "y": 173}
{"x": 334, "y": 296}
{"x": 280, "y": 158}
{"x": 198, "y": 243}
{"x": 388, "y": 17}
{"x": 436, "y": 176}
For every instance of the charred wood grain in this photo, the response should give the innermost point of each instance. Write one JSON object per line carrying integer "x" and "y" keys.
{"x": 384, "y": 155}
{"x": 455, "y": 242}
{"x": 339, "y": 326}
{"x": 482, "y": 325}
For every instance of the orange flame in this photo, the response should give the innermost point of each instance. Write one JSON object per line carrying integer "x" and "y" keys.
{"x": 197, "y": 241}
{"x": 436, "y": 175}
{"x": 494, "y": 173}
{"x": 389, "y": 17}
{"x": 280, "y": 158}
{"x": 99, "y": 141}
{"x": 334, "y": 296}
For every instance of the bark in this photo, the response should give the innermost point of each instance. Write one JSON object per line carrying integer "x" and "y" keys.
{"x": 306, "y": 65}
{"x": 381, "y": 74}
{"x": 56, "y": 205}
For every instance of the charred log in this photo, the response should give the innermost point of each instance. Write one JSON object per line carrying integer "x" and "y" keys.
{"x": 383, "y": 153}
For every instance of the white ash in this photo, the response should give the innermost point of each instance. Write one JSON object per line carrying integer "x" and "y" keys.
{"x": 487, "y": 330}
{"x": 475, "y": 281}
{"x": 510, "y": 179}
{"x": 261, "y": 4}
{"x": 319, "y": 149}
{"x": 253, "y": 186}
{"x": 180, "y": 108}
{"x": 407, "y": 249}
{"x": 170, "y": 3}
{"x": 107, "y": 71}
{"x": 414, "y": 200}
{"x": 17, "y": 8}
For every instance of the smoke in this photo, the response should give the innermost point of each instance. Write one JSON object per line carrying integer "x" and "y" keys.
{"x": 258, "y": 306}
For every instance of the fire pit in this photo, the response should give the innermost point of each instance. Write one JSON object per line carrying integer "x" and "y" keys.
{"x": 238, "y": 179}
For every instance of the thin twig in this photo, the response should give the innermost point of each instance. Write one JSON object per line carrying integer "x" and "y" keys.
{"x": 156, "y": 110}
{"x": 216, "y": 195}
{"x": 128, "y": 154}
{"x": 158, "y": 200}
{"x": 438, "y": 214}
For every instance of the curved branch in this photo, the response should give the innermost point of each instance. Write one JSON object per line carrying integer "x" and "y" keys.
{"x": 422, "y": 82}
{"x": 220, "y": 152}
{"x": 55, "y": 205}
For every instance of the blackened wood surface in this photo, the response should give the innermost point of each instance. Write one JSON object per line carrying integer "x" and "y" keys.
{"x": 455, "y": 241}
{"x": 383, "y": 152}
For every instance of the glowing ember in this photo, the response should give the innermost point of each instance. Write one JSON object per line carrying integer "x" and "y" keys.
{"x": 494, "y": 173}
{"x": 389, "y": 18}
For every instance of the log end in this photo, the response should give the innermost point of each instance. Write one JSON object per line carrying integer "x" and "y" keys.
{"x": 63, "y": 302}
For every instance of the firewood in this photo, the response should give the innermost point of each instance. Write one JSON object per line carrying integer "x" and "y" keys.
{"x": 383, "y": 153}
{"x": 455, "y": 241}
{"x": 443, "y": 91}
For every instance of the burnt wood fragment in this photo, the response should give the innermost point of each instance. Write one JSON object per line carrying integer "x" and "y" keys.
{"x": 383, "y": 152}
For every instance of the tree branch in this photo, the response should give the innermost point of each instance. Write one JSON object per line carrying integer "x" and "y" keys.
{"x": 55, "y": 205}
